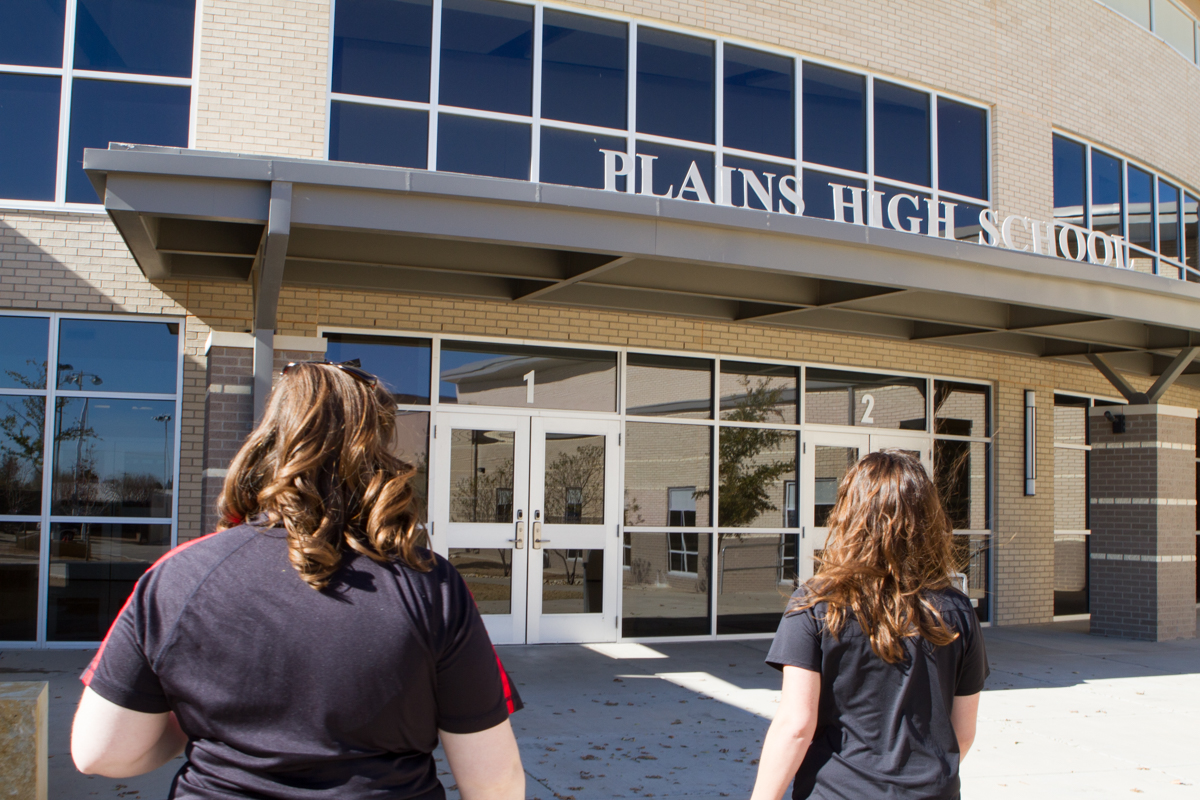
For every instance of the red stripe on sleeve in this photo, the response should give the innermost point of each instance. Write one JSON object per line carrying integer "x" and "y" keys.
{"x": 508, "y": 694}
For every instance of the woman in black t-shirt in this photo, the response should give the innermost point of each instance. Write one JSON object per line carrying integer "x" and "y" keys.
{"x": 882, "y": 659}
{"x": 310, "y": 649}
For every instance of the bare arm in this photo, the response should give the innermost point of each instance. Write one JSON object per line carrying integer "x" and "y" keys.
{"x": 962, "y": 718}
{"x": 790, "y": 734}
{"x": 115, "y": 742}
{"x": 486, "y": 765}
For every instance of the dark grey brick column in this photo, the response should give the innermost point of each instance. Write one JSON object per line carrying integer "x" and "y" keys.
{"x": 1143, "y": 515}
{"x": 228, "y": 413}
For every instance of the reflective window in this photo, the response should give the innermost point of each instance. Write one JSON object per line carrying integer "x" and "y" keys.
{"x": 402, "y": 364}
{"x": 28, "y": 136}
{"x": 656, "y": 598}
{"x": 574, "y": 479}
{"x": 20, "y": 546}
{"x": 487, "y": 57}
{"x": 483, "y": 147}
{"x": 758, "y": 186}
{"x": 1176, "y": 28}
{"x": 1107, "y": 193}
{"x": 966, "y": 222}
{"x": 1069, "y": 180}
{"x": 670, "y": 167}
{"x": 960, "y": 470}
{"x": 488, "y": 575}
{"x": 962, "y": 148}
{"x": 132, "y": 113}
{"x": 396, "y": 137}
{"x": 833, "y": 397}
{"x": 22, "y": 428}
{"x": 971, "y": 552}
{"x": 752, "y": 392}
{"x": 755, "y": 577}
{"x": 904, "y": 210}
{"x": 481, "y": 475}
{"x": 381, "y": 48}
{"x": 1168, "y": 219}
{"x": 477, "y": 373}
{"x": 1136, "y": 10}
{"x": 23, "y": 356}
{"x": 1141, "y": 217}
{"x": 754, "y": 466}
{"x": 572, "y": 581}
{"x": 1190, "y": 243}
{"x": 759, "y": 114}
{"x": 114, "y": 356}
{"x": 660, "y": 460}
{"x": 151, "y": 37}
{"x": 675, "y": 85}
{"x": 818, "y": 194}
{"x": 961, "y": 409}
{"x": 901, "y": 133}
{"x": 584, "y": 69}
{"x": 830, "y": 465}
{"x": 32, "y": 33}
{"x": 573, "y": 158}
{"x": 835, "y": 118}
{"x": 668, "y": 386}
{"x": 411, "y": 443}
{"x": 93, "y": 569}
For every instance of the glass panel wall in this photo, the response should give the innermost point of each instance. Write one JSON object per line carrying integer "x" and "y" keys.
{"x": 129, "y": 77}
{"x": 1071, "y": 529}
{"x": 103, "y": 431}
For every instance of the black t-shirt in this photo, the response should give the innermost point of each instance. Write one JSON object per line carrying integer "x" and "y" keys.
{"x": 883, "y": 730}
{"x": 287, "y": 692}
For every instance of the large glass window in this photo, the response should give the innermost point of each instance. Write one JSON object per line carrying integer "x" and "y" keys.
{"x": 381, "y": 48}
{"x": 962, "y": 148}
{"x": 676, "y": 85}
{"x": 834, "y": 397}
{"x": 104, "y": 428}
{"x": 483, "y": 147}
{"x": 1071, "y": 526}
{"x": 479, "y": 373}
{"x": 487, "y": 56}
{"x": 759, "y": 114}
{"x": 135, "y": 57}
{"x": 369, "y": 134}
{"x": 1070, "y": 181}
{"x": 835, "y": 118}
{"x": 901, "y": 133}
{"x": 584, "y": 69}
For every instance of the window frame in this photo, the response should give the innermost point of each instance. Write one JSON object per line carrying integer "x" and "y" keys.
{"x": 67, "y": 74}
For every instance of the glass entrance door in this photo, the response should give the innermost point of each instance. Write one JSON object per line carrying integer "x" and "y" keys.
{"x": 828, "y": 456}
{"x": 525, "y": 509}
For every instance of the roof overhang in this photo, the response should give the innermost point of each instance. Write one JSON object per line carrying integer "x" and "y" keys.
{"x": 188, "y": 214}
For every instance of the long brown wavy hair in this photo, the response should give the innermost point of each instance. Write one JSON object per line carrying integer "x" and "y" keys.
{"x": 320, "y": 465}
{"x": 889, "y": 547}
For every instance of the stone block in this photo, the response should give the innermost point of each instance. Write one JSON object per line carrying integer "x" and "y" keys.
{"x": 24, "y": 706}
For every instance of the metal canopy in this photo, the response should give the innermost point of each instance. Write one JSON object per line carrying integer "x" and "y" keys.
{"x": 188, "y": 214}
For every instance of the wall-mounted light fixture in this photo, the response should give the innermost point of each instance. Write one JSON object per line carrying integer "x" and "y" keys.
{"x": 1030, "y": 444}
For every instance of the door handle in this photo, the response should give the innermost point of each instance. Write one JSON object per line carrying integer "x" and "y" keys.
{"x": 519, "y": 542}
{"x": 537, "y": 536}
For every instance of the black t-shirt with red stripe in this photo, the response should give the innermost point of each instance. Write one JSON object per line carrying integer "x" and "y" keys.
{"x": 287, "y": 692}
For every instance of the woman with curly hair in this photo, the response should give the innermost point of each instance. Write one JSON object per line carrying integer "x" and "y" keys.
{"x": 311, "y": 648}
{"x": 882, "y": 659}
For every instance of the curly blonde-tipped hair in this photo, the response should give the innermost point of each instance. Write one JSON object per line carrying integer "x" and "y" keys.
{"x": 320, "y": 466}
{"x": 889, "y": 546}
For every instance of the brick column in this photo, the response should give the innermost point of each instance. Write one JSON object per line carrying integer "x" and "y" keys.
{"x": 1143, "y": 515}
{"x": 228, "y": 412}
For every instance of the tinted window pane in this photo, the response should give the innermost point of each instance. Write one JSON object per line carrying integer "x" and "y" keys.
{"x": 962, "y": 149}
{"x": 381, "y": 48}
{"x": 1107, "y": 193}
{"x": 398, "y": 137}
{"x": 666, "y": 386}
{"x": 756, "y": 575}
{"x": 743, "y": 192}
{"x": 481, "y": 475}
{"x": 1168, "y": 219}
{"x": 411, "y": 443}
{"x": 483, "y": 147}
{"x": 658, "y": 598}
{"x": 911, "y": 209}
{"x": 818, "y": 194}
{"x": 756, "y": 466}
{"x": 901, "y": 133}
{"x": 759, "y": 114}
{"x": 488, "y": 575}
{"x": 833, "y": 397}
{"x": 583, "y": 69}
{"x": 966, "y": 222}
{"x": 112, "y": 356}
{"x": 759, "y": 392}
{"x": 573, "y": 582}
{"x": 961, "y": 409}
{"x": 960, "y": 471}
{"x": 1141, "y": 208}
{"x": 28, "y": 136}
{"x": 1176, "y": 28}
{"x": 1190, "y": 242}
{"x": 93, "y": 568}
{"x": 32, "y": 33}
{"x": 475, "y": 373}
{"x": 487, "y": 56}
{"x": 835, "y": 118}
{"x": 670, "y": 168}
{"x": 22, "y": 426}
{"x": 665, "y": 465}
{"x": 133, "y": 113}
{"x": 1136, "y": 10}
{"x": 675, "y": 85}
{"x": 152, "y": 37}
{"x": 971, "y": 563}
{"x": 573, "y": 158}
{"x": 20, "y": 545}
{"x": 1068, "y": 181}
{"x": 23, "y": 356}
{"x": 112, "y": 457}
{"x": 402, "y": 364}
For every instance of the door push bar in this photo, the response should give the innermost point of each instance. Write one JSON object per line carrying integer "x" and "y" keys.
{"x": 519, "y": 542}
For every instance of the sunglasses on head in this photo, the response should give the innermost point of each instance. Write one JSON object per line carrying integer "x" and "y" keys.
{"x": 353, "y": 368}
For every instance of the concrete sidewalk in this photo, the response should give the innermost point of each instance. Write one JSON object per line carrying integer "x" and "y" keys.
{"x": 1064, "y": 715}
